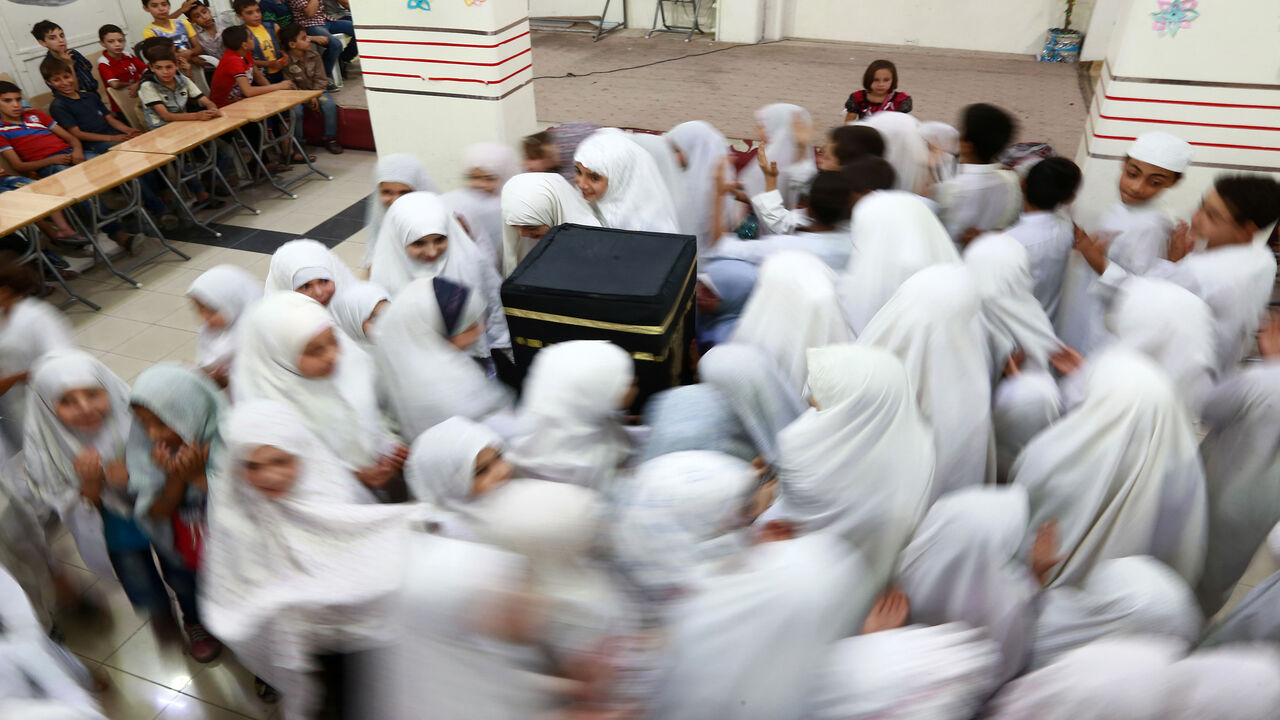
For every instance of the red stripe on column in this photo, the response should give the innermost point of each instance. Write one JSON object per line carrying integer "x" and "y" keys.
{"x": 451, "y": 62}
{"x": 445, "y": 44}
{"x": 1187, "y": 122}
{"x": 1199, "y": 144}
{"x": 448, "y": 79}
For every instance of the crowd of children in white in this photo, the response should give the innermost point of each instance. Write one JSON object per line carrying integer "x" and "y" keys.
{"x": 949, "y": 454}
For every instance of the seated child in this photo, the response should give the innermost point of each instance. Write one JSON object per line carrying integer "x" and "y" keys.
{"x": 267, "y": 54}
{"x": 982, "y": 196}
{"x": 306, "y": 71}
{"x": 236, "y": 77}
{"x": 209, "y": 32}
{"x": 49, "y": 34}
{"x": 879, "y": 93}
{"x": 169, "y": 96}
{"x": 81, "y": 113}
{"x": 186, "y": 43}
{"x": 1046, "y": 233}
{"x": 119, "y": 69}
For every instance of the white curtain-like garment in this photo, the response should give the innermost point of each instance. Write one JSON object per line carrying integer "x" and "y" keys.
{"x": 426, "y": 378}
{"x": 533, "y": 199}
{"x": 569, "y": 416}
{"x": 963, "y": 566}
{"x": 228, "y": 290}
{"x": 1011, "y": 315}
{"x": 664, "y": 157}
{"x": 1229, "y": 683}
{"x": 1255, "y": 619}
{"x": 931, "y": 324}
{"x": 30, "y": 329}
{"x": 905, "y": 149}
{"x": 418, "y": 215}
{"x": 860, "y": 464}
{"x": 482, "y": 211}
{"x": 1241, "y": 465}
{"x": 1136, "y": 595}
{"x": 341, "y": 408}
{"x": 793, "y": 307}
{"x": 1173, "y": 327}
{"x": 912, "y": 673}
{"x": 780, "y": 123}
{"x": 284, "y": 578}
{"x": 750, "y": 382}
{"x": 1112, "y": 679}
{"x": 1121, "y": 474}
{"x": 398, "y": 168}
{"x": 637, "y": 197}
{"x": 705, "y": 150}
{"x": 1236, "y": 282}
{"x": 298, "y": 262}
{"x": 52, "y": 448}
{"x": 795, "y": 596}
{"x": 352, "y": 307}
{"x": 895, "y": 235}
{"x": 1021, "y": 407}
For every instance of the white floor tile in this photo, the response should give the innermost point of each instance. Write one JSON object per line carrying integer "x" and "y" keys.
{"x": 127, "y": 368}
{"x": 164, "y": 663}
{"x": 227, "y": 684}
{"x": 146, "y": 307}
{"x": 183, "y": 317}
{"x": 107, "y": 332}
{"x": 177, "y": 281}
{"x": 97, "y": 638}
{"x": 132, "y": 698}
{"x": 65, "y": 551}
{"x": 155, "y": 342}
{"x": 189, "y": 708}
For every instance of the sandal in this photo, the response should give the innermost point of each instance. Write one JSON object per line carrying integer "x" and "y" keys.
{"x": 297, "y": 158}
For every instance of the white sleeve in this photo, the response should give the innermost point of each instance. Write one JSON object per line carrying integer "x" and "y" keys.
{"x": 774, "y": 215}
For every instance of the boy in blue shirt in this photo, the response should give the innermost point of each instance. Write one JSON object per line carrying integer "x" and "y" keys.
{"x": 49, "y": 34}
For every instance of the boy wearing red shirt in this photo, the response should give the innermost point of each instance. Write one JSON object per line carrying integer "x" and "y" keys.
{"x": 236, "y": 77}
{"x": 117, "y": 68}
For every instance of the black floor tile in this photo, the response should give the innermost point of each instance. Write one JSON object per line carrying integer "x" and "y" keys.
{"x": 355, "y": 211}
{"x": 231, "y": 234}
{"x": 335, "y": 230}
{"x": 265, "y": 241}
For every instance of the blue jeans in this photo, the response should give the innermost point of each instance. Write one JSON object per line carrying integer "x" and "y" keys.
{"x": 136, "y": 570}
{"x": 334, "y": 50}
{"x": 328, "y": 108}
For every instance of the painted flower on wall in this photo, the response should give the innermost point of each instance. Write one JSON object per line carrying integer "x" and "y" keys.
{"x": 1174, "y": 15}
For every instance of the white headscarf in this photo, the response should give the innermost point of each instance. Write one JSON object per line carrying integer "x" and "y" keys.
{"x": 704, "y": 150}
{"x": 569, "y": 415}
{"x": 749, "y": 381}
{"x": 963, "y": 566}
{"x": 1173, "y": 327}
{"x": 944, "y": 149}
{"x": 533, "y": 199}
{"x": 1241, "y": 461}
{"x": 679, "y": 512}
{"x": 895, "y": 235}
{"x": 340, "y": 409}
{"x": 795, "y": 167}
{"x": 860, "y": 465}
{"x": 417, "y": 215}
{"x": 397, "y": 168}
{"x": 916, "y": 672}
{"x": 637, "y": 198}
{"x": 1111, "y": 679}
{"x": 1135, "y": 595}
{"x": 284, "y": 578}
{"x": 664, "y": 157}
{"x": 482, "y": 211}
{"x": 904, "y": 147}
{"x": 229, "y": 290}
{"x": 1255, "y": 619}
{"x": 426, "y": 378}
{"x": 30, "y": 329}
{"x": 1021, "y": 406}
{"x": 1011, "y": 315}
{"x": 931, "y": 323}
{"x": 793, "y": 307}
{"x": 1120, "y": 473}
{"x": 352, "y": 307}
{"x": 298, "y": 262}
{"x": 442, "y": 461}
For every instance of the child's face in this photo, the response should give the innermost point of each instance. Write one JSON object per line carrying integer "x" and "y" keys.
{"x": 592, "y": 184}
{"x": 320, "y": 356}
{"x": 63, "y": 83}
{"x": 428, "y": 248}
{"x": 300, "y": 43}
{"x": 212, "y": 318}
{"x": 246, "y": 47}
{"x": 113, "y": 43}
{"x": 1214, "y": 223}
{"x": 55, "y": 40}
{"x": 491, "y": 471}
{"x": 533, "y": 232}
{"x": 157, "y": 431}
{"x": 478, "y": 179}
{"x": 165, "y": 70}
{"x": 11, "y": 105}
{"x": 827, "y": 158}
{"x": 1140, "y": 181}
{"x": 319, "y": 290}
{"x": 468, "y": 337}
{"x": 202, "y": 16}
{"x": 271, "y": 471}
{"x": 389, "y": 192}
{"x": 84, "y": 409}
{"x": 544, "y": 162}
{"x": 881, "y": 82}
{"x": 252, "y": 16}
{"x": 159, "y": 9}
{"x": 367, "y": 325}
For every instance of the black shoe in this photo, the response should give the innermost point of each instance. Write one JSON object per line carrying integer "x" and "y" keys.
{"x": 333, "y": 146}
{"x": 344, "y": 67}
{"x": 57, "y": 260}
{"x": 213, "y": 204}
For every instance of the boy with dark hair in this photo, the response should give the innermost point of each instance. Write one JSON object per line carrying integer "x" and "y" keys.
{"x": 1046, "y": 233}
{"x": 848, "y": 143}
{"x": 982, "y": 196}
{"x": 169, "y": 96}
{"x": 236, "y": 77}
{"x": 323, "y": 27}
{"x": 868, "y": 174}
{"x": 186, "y": 44}
{"x": 50, "y": 35}
{"x": 119, "y": 69}
{"x": 306, "y": 71}
{"x": 208, "y": 30}
{"x": 82, "y": 114}
{"x": 266, "y": 52}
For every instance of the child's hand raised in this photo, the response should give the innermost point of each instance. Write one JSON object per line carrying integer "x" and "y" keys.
{"x": 1269, "y": 337}
{"x": 88, "y": 465}
{"x": 1093, "y": 249}
{"x": 1181, "y": 243}
{"x": 890, "y": 612}
{"x": 1044, "y": 552}
{"x": 770, "y": 169}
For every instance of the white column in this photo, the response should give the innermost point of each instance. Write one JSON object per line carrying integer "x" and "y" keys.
{"x": 441, "y": 78}
{"x": 1215, "y": 83}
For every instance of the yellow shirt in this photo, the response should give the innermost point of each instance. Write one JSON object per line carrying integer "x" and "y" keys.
{"x": 265, "y": 41}
{"x": 179, "y": 31}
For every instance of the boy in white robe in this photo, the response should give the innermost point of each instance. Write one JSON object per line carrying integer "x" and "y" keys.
{"x": 982, "y": 196}
{"x": 1044, "y": 230}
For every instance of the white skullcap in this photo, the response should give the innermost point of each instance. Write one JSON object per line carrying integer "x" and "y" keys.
{"x": 1162, "y": 150}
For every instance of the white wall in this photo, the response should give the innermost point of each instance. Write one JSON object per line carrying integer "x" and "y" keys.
{"x": 20, "y": 55}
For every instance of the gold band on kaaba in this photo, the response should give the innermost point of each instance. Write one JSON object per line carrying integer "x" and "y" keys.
{"x": 676, "y": 337}
{"x": 676, "y": 310}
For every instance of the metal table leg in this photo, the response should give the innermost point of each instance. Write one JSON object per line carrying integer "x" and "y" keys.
{"x": 287, "y": 142}
{"x": 36, "y": 254}
{"x": 206, "y": 162}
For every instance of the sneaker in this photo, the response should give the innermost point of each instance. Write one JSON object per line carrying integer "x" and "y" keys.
{"x": 204, "y": 647}
{"x": 332, "y": 88}
{"x": 333, "y": 146}
{"x": 108, "y": 246}
{"x": 169, "y": 221}
{"x": 56, "y": 260}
